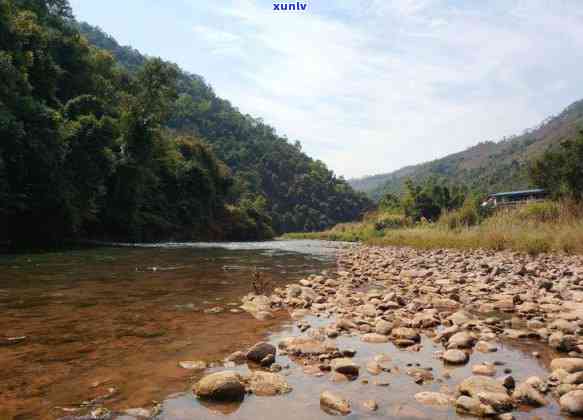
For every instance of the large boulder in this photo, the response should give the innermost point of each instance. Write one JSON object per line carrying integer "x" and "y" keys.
{"x": 461, "y": 340}
{"x": 374, "y": 338}
{"x": 221, "y": 386}
{"x": 383, "y": 327}
{"x": 433, "y": 398}
{"x": 345, "y": 366}
{"x": 260, "y": 351}
{"x": 488, "y": 391}
{"x": 267, "y": 384}
{"x": 455, "y": 357}
{"x": 572, "y": 403}
{"x": 404, "y": 333}
{"x": 334, "y": 403}
{"x": 529, "y": 395}
{"x": 569, "y": 364}
{"x": 304, "y": 346}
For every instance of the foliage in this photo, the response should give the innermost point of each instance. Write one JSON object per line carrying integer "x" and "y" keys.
{"x": 526, "y": 229}
{"x": 427, "y": 201}
{"x": 300, "y": 194}
{"x": 488, "y": 166}
{"x": 560, "y": 171}
{"x": 98, "y": 141}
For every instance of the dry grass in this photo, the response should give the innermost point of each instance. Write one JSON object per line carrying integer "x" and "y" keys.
{"x": 532, "y": 228}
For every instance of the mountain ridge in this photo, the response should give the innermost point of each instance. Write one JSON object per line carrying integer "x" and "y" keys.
{"x": 487, "y": 166}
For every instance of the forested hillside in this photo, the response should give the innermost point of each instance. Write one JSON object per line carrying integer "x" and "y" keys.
{"x": 301, "y": 193}
{"x": 113, "y": 145}
{"x": 487, "y": 167}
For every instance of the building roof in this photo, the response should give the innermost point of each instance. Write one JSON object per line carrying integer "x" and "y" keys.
{"x": 519, "y": 193}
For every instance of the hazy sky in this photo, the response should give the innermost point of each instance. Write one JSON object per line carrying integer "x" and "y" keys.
{"x": 369, "y": 86}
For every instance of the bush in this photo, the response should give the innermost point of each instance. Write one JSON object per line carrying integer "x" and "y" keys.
{"x": 464, "y": 217}
{"x": 390, "y": 221}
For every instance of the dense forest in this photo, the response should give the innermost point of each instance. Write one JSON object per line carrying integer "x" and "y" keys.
{"x": 487, "y": 167}
{"x": 98, "y": 141}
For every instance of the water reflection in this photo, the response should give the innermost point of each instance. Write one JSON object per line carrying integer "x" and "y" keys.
{"x": 124, "y": 317}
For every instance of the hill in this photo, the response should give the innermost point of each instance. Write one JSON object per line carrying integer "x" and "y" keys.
{"x": 301, "y": 193}
{"x": 488, "y": 166}
{"x": 101, "y": 142}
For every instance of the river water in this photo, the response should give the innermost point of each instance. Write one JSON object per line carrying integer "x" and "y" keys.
{"x": 111, "y": 324}
{"x": 123, "y": 317}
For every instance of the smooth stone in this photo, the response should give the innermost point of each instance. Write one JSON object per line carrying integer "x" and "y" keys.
{"x": 221, "y": 386}
{"x": 572, "y": 403}
{"x": 334, "y": 403}
{"x": 455, "y": 357}
{"x": 267, "y": 384}
{"x": 345, "y": 366}
{"x": 260, "y": 351}
{"x": 193, "y": 365}
{"x": 432, "y": 398}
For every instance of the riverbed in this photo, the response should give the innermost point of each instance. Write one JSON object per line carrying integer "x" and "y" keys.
{"x": 104, "y": 330}
{"x": 117, "y": 320}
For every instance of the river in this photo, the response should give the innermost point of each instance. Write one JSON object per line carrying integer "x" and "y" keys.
{"x": 121, "y": 318}
{"x": 110, "y": 325}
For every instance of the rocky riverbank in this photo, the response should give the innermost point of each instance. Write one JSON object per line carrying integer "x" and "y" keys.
{"x": 462, "y": 304}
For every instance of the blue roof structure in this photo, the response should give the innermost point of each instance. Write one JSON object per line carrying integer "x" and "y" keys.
{"x": 537, "y": 191}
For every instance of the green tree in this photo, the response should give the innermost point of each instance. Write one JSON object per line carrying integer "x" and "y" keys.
{"x": 560, "y": 171}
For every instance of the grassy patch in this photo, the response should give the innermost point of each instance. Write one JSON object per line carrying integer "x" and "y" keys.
{"x": 531, "y": 228}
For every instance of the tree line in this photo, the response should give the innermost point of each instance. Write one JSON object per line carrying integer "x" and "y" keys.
{"x": 98, "y": 141}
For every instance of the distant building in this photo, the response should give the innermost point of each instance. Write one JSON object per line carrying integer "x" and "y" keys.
{"x": 514, "y": 197}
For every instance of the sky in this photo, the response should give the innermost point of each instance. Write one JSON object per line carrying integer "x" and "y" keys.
{"x": 369, "y": 86}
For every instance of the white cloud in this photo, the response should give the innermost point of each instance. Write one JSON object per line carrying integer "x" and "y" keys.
{"x": 369, "y": 86}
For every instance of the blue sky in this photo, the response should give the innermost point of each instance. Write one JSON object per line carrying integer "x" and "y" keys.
{"x": 369, "y": 86}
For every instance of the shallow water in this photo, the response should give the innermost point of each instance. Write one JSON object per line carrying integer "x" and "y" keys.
{"x": 396, "y": 401}
{"x": 124, "y": 317}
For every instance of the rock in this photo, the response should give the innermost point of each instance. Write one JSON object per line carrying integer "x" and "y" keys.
{"x": 488, "y": 391}
{"x": 508, "y": 382}
{"x": 267, "y": 360}
{"x": 383, "y": 327}
{"x": 373, "y": 368}
{"x": 420, "y": 375}
{"x": 374, "y": 338}
{"x": 221, "y": 386}
{"x": 370, "y": 405}
{"x": 267, "y": 384}
{"x": 303, "y": 346}
{"x": 193, "y": 365}
{"x": 345, "y": 366}
{"x": 486, "y": 347}
{"x": 527, "y": 394}
{"x": 569, "y": 364}
{"x": 433, "y": 398}
{"x": 572, "y": 403}
{"x": 404, "y": 333}
{"x": 237, "y": 357}
{"x": 484, "y": 369}
{"x": 574, "y": 378}
{"x": 138, "y": 412}
{"x": 334, "y": 404}
{"x": 473, "y": 406}
{"x": 260, "y": 351}
{"x": 455, "y": 357}
{"x": 461, "y": 340}
{"x": 562, "y": 342}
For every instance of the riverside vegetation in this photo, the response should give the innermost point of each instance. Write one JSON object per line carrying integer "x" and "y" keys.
{"x": 101, "y": 142}
{"x": 465, "y": 306}
{"x": 435, "y": 216}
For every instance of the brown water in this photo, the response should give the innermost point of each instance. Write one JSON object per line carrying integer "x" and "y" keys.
{"x": 124, "y": 317}
{"x": 113, "y": 323}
